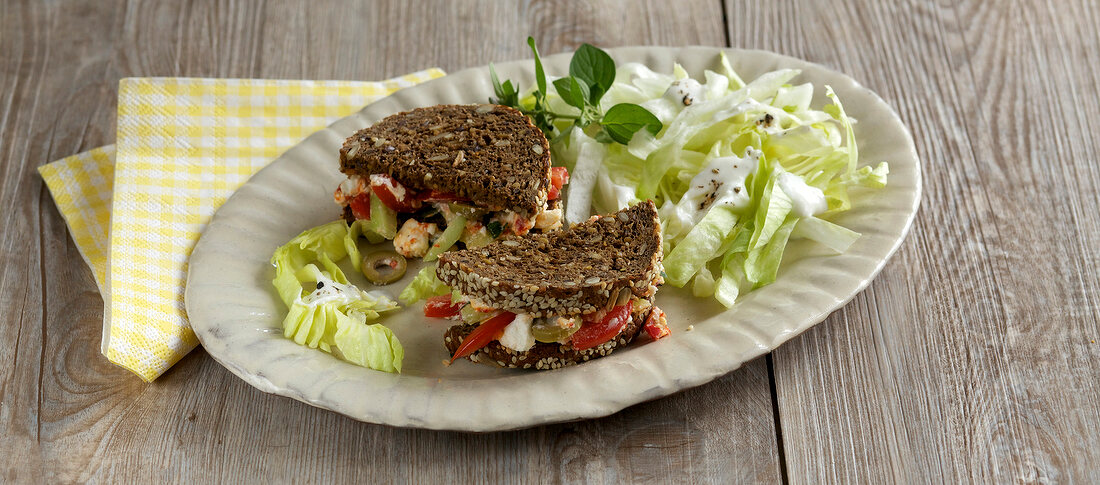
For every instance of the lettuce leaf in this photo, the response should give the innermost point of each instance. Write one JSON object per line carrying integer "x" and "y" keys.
{"x": 834, "y": 237}
{"x": 762, "y": 264}
{"x": 739, "y": 247}
{"x": 871, "y": 177}
{"x": 373, "y": 346}
{"x": 728, "y": 286}
{"x": 702, "y": 285}
{"x": 699, "y": 246}
{"x": 771, "y": 210}
{"x": 425, "y": 284}
{"x": 327, "y": 312}
{"x": 583, "y": 178}
{"x": 836, "y": 110}
{"x": 305, "y": 248}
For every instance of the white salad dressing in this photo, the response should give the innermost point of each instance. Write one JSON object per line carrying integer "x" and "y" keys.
{"x": 685, "y": 91}
{"x": 720, "y": 183}
{"x": 806, "y": 201}
{"x": 517, "y": 335}
{"x": 329, "y": 291}
{"x": 746, "y": 105}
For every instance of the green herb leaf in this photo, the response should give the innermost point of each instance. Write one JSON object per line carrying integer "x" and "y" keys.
{"x": 595, "y": 68}
{"x": 540, "y": 75}
{"x": 592, "y": 72}
{"x": 494, "y": 229}
{"x": 624, "y": 119}
{"x": 506, "y": 93}
{"x": 572, "y": 92}
{"x": 497, "y": 88}
{"x": 541, "y": 117}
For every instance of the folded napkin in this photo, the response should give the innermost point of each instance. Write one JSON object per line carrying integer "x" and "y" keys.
{"x": 136, "y": 209}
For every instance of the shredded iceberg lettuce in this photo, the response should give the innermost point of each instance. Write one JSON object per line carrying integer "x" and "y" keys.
{"x": 424, "y": 285}
{"x": 327, "y": 312}
{"x": 738, "y": 169}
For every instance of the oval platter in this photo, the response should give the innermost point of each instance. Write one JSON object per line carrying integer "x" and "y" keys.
{"x": 237, "y": 316}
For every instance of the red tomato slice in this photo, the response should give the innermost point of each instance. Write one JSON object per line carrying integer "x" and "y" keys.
{"x": 559, "y": 176}
{"x": 656, "y": 324}
{"x": 488, "y": 331}
{"x": 393, "y": 194}
{"x": 441, "y": 307}
{"x": 360, "y": 206}
{"x": 595, "y": 333}
{"x": 438, "y": 196}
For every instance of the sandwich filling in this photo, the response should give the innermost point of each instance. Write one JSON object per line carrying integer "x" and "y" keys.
{"x": 511, "y": 339}
{"x": 424, "y": 217}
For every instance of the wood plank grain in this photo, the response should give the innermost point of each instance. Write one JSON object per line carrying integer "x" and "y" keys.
{"x": 55, "y": 79}
{"x": 70, "y": 416}
{"x": 973, "y": 356}
{"x": 26, "y": 103}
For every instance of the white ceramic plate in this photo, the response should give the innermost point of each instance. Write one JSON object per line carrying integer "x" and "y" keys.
{"x": 236, "y": 314}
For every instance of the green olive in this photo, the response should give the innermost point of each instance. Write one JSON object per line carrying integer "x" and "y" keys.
{"x": 477, "y": 239}
{"x": 469, "y": 315}
{"x": 384, "y": 267}
{"x": 471, "y": 212}
{"x": 554, "y": 329}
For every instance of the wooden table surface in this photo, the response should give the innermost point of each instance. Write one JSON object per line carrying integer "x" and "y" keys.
{"x": 972, "y": 357}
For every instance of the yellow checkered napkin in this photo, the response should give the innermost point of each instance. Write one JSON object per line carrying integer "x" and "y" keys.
{"x": 81, "y": 186}
{"x": 184, "y": 146}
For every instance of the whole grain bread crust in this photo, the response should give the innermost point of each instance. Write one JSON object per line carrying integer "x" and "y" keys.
{"x": 489, "y": 154}
{"x": 568, "y": 272}
{"x": 543, "y": 356}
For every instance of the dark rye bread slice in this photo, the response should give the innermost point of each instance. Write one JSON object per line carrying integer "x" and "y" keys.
{"x": 489, "y": 154}
{"x": 543, "y": 356}
{"x": 568, "y": 272}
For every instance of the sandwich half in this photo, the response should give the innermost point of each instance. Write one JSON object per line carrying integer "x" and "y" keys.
{"x": 549, "y": 300}
{"x": 485, "y": 166}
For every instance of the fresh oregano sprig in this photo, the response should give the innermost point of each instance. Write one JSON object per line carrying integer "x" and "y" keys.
{"x": 591, "y": 73}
